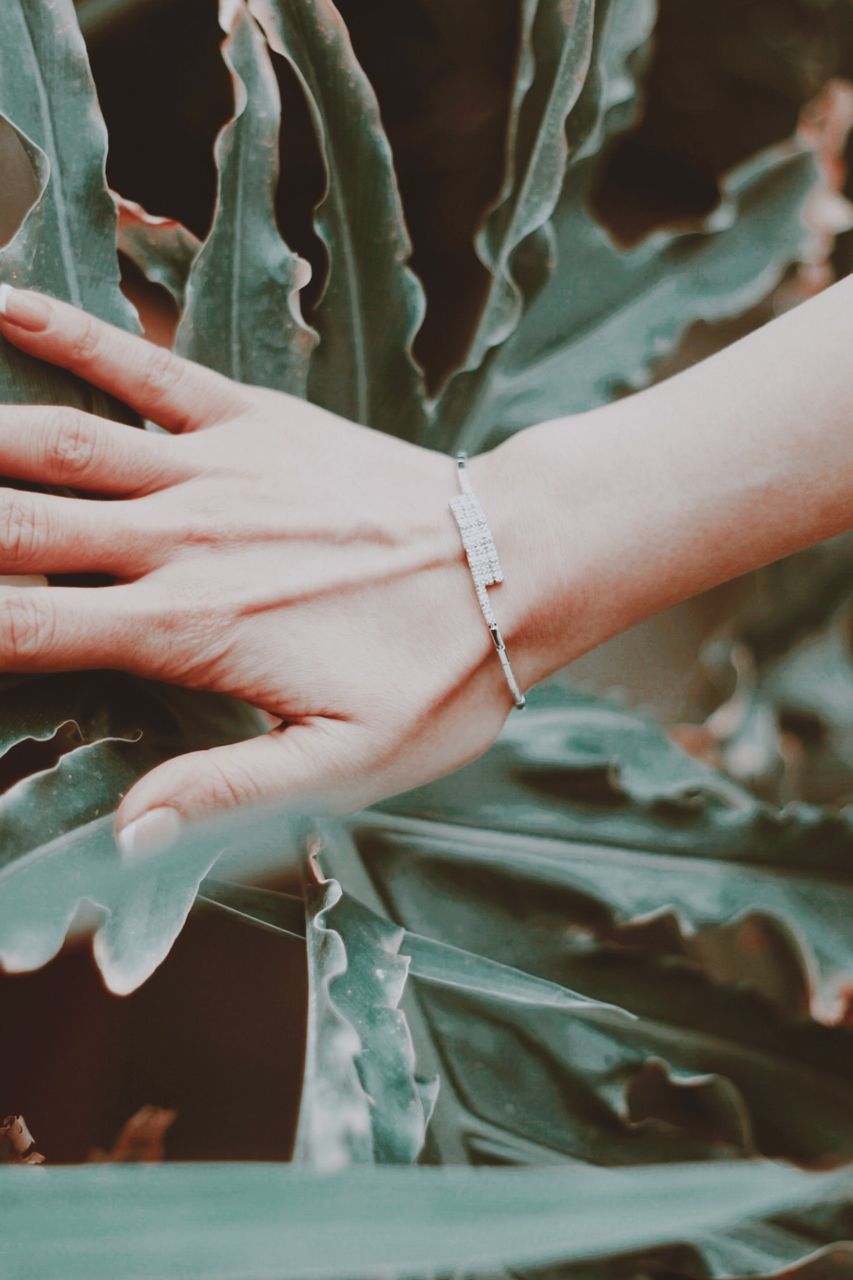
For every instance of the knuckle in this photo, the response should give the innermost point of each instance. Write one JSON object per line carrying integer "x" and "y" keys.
{"x": 70, "y": 446}
{"x": 161, "y": 371}
{"x": 86, "y": 341}
{"x": 19, "y": 531}
{"x": 26, "y": 627}
{"x": 188, "y": 631}
{"x": 231, "y": 786}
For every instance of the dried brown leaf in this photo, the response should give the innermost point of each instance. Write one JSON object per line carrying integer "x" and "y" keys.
{"x": 141, "y": 1140}
{"x": 17, "y": 1144}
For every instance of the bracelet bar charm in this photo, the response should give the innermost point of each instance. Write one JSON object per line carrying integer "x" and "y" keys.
{"x": 482, "y": 556}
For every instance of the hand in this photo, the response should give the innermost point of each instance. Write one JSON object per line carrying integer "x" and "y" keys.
{"x": 265, "y": 549}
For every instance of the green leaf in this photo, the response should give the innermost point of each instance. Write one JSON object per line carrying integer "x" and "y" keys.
{"x": 66, "y": 243}
{"x": 700, "y": 1071}
{"x": 608, "y": 313}
{"x": 597, "y": 804}
{"x": 58, "y": 850}
{"x": 785, "y": 725}
{"x": 57, "y": 845}
{"x": 808, "y": 692}
{"x": 361, "y": 1102}
{"x": 652, "y": 1062}
{"x": 583, "y": 854}
{"x": 553, "y": 62}
{"x": 372, "y": 305}
{"x": 279, "y": 913}
{"x": 436, "y": 962}
{"x": 582, "y": 911}
{"x": 575, "y": 84}
{"x": 808, "y": 1243}
{"x": 161, "y": 248}
{"x": 227, "y": 1222}
{"x": 579, "y": 346}
{"x": 242, "y": 312}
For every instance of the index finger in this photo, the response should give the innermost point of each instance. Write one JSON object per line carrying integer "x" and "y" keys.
{"x": 176, "y": 393}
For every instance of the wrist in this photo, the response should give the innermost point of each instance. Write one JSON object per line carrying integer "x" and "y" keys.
{"x": 543, "y": 584}
{"x": 570, "y": 516}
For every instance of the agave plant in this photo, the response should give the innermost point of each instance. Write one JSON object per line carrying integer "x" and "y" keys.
{"x": 586, "y": 949}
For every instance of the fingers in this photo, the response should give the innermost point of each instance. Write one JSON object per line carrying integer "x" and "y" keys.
{"x": 58, "y": 445}
{"x": 71, "y": 628}
{"x": 308, "y": 766}
{"x": 176, "y": 393}
{"x": 42, "y": 533}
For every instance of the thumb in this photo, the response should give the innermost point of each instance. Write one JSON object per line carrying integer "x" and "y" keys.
{"x": 307, "y": 763}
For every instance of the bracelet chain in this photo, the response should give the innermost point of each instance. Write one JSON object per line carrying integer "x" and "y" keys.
{"x": 482, "y": 556}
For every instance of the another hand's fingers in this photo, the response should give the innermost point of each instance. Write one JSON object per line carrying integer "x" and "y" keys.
{"x": 59, "y": 445}
{"x": 74, "y": 628}
{"x": 176, "y": 393}
{"x": 308, "y": 766}
{"x": 43, "y": 533}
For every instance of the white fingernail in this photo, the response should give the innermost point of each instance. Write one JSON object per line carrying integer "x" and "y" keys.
{"x": 5, "y": 291}
{"x": 155, "y": 831}
{"x": 23, "y": 580}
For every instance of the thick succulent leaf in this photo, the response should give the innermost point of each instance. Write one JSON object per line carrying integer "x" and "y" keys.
{"x": 537, "y": 856}
{"x": 564, "y": 800}
{"x": 372, "y": 305}
{"x": 161, "y": 248}
{"x": 58, "y": 850}
{"x": 57, "y": 847}
{"x": 609, "y": 313}
{"x": 785, "y": 726}
{"x": 814, "y": 683}
{"x": 434, "y": 961}
{"x": 334, "y": 1113}
{"x": 804, "y": 701}
{"x": 652, "y": 1063}
{"x": 553, "y": 63}
{"x": 811, "y": 1243}
{"x": 242, "y": 312}
{"x": 575, "y": 84}
{"x": 66, "y": 243}
{"x": 699, "y": 1071}
{"x": 579, "y": 856}
{"x": 561, "y": 855}
{"x": 361, "y": 1102}
{"x": 226, "y": 1222}
{"x": 279, "y": 913}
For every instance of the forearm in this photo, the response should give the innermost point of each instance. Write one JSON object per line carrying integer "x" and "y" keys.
{"x": 623, "y": 511}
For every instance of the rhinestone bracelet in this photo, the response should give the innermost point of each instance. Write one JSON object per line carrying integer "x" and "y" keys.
{"x": 483, "y": 562}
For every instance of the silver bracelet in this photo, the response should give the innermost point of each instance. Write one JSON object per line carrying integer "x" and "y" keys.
{"x": 482, "y": 555}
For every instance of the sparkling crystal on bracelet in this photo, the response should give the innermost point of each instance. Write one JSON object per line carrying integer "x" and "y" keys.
{"x": 482, "y": 555}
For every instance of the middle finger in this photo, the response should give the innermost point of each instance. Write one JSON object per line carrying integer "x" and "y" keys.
{"x": 55, "y": 444}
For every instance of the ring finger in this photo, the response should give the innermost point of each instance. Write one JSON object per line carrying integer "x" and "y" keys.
{"x": 75, "y": 628}
{"x": 44, "y": 533}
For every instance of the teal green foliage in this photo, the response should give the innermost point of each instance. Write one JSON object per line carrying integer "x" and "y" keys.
{"x": 586, "y": 949}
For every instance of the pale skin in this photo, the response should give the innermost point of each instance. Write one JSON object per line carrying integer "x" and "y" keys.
{"x": 268, "y": 549}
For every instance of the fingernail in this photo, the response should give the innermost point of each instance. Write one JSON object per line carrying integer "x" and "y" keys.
{"x": 156, "y": 831}
{"x": 26, "y": 310}
{"x": 23, "y": 580}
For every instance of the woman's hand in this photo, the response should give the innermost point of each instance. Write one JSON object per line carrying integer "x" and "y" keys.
{"x": 265, "y": 549}
{"x": 270, "y": 550}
